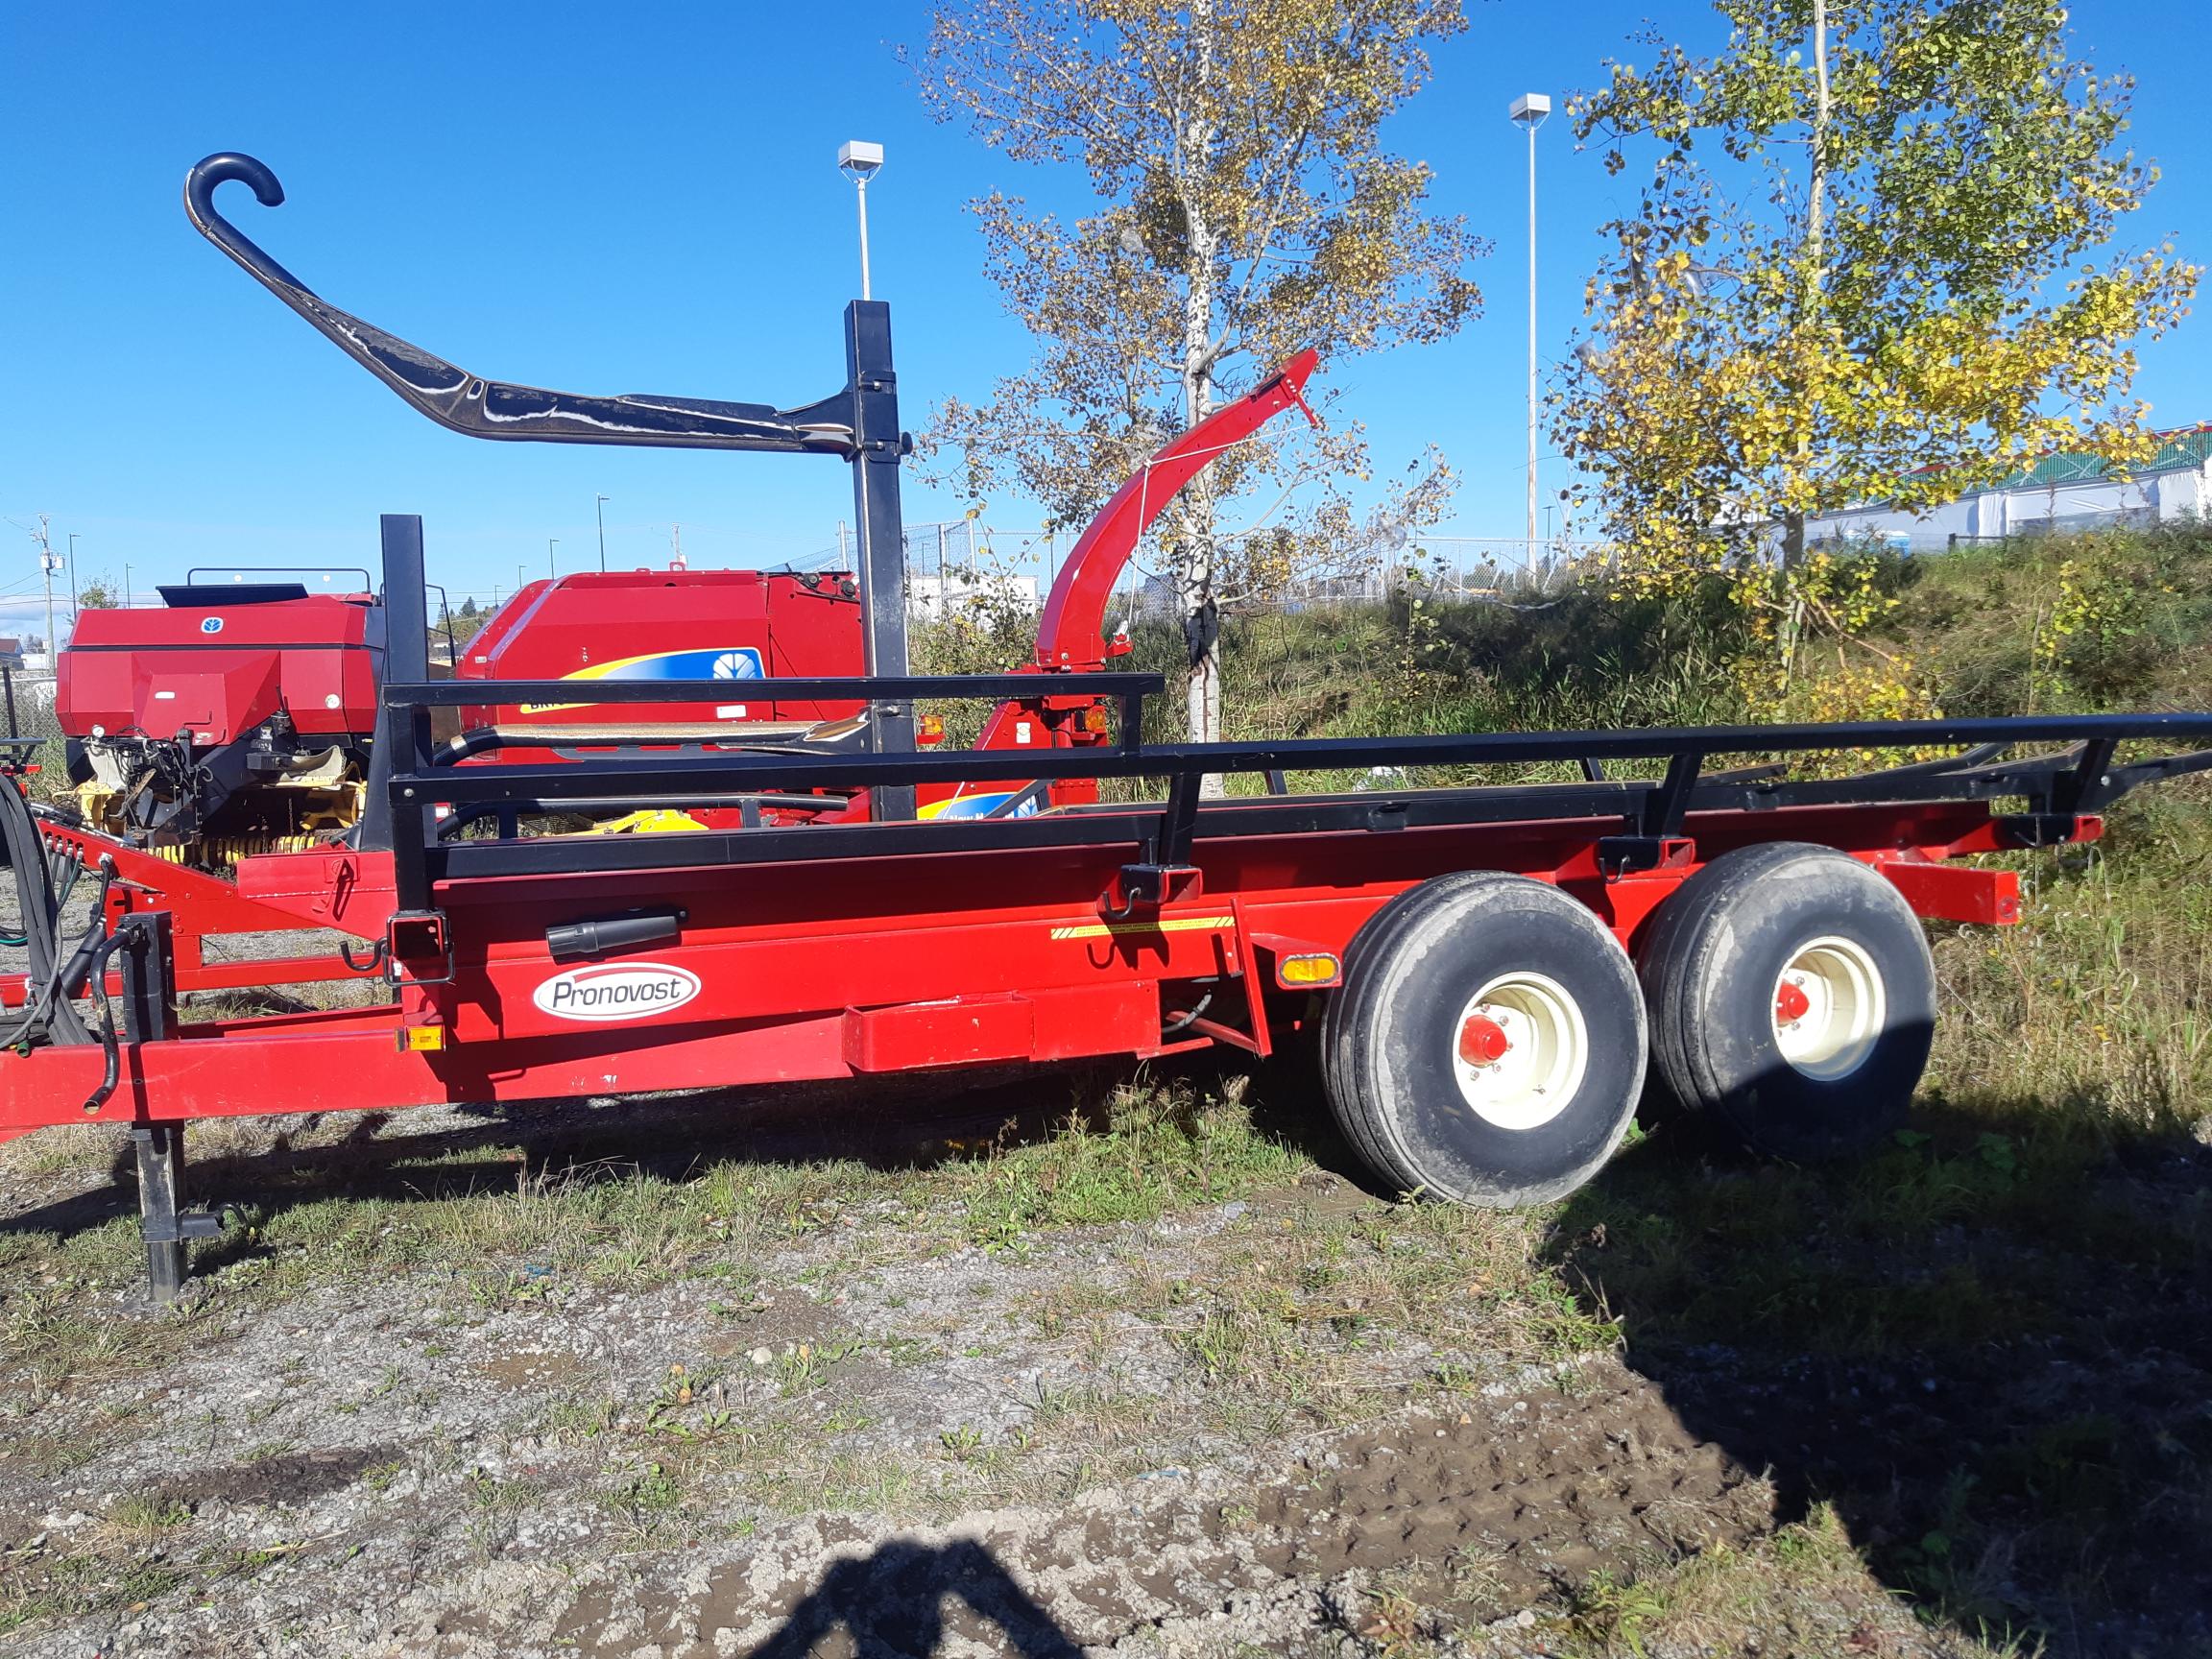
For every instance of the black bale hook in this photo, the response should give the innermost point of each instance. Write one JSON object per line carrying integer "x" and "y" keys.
{"x": 200, "y": 208}
{"x": 477, "y": 407}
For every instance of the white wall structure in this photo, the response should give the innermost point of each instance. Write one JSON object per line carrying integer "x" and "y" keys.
{"x": 934, "y": 599}
{"x": 2060, "y": 492}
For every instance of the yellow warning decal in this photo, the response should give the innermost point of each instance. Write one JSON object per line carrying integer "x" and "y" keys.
{"x": 1164, "y": 924}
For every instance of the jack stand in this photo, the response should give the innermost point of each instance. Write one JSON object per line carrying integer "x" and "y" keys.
{"x": 148, "y": 1015}
{"x": 166, "y": 1228}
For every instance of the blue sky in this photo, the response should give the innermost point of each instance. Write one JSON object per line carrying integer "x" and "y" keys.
{"x": 645, "y": 199}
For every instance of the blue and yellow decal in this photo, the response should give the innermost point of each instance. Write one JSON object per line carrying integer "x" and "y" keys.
{"x": 713, "y": 662}
{"x": 979, "y": 805}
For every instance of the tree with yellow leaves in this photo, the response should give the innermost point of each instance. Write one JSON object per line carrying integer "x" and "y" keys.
{"x": 1874, "y": 262}
{"x": 1246, "y": 208}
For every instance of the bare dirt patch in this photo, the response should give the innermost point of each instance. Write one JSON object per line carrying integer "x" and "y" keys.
{"x": 281, "y": 1479}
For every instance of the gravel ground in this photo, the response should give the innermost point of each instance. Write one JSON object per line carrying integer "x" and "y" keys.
{"x": 872, "y": 1439}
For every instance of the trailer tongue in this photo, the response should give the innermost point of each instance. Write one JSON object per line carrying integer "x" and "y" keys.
{"x": 1487, "y": 969}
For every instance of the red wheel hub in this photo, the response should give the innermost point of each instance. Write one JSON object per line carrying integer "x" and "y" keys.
{"x": 1790, "y": 1003}
{"x": 1482, "y": 1041}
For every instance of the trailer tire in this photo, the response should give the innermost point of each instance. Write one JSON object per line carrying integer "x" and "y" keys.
{"x": 1488, "y": 1045}
{"x": 1792, "y": 993}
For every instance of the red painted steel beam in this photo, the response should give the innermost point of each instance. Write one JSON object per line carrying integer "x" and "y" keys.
{"x": 811, "y": 968}
{"x": 1069, "y": 634}
{"x": 1954, "y": 891}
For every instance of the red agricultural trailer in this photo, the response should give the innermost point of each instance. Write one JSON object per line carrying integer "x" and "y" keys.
{"x": 1488, "y": 970}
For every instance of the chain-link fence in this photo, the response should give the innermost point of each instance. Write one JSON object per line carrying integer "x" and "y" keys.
{"x": 964, "y": 562}
{"x": 28, "y": 710}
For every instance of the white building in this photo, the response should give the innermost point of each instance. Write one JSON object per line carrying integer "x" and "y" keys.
{"x": 2060, "y": 492}
{"x": 933, "y": 598}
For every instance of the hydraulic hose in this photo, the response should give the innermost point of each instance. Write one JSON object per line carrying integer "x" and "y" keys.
{"x": 47, "y": 1007}
{"x": 111, "y": 1072}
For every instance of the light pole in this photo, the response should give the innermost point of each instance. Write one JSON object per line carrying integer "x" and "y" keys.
{"x": 73, "y": 582}
{"x": 861, "y": 161}
{"x": 551, "y": 543}
{"x": 48, "y": 563}
{"x": 1528, "y": 110}
{"x": 599, "y": 506}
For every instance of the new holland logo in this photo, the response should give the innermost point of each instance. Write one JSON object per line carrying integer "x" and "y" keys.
{"x": 617, "y": 991}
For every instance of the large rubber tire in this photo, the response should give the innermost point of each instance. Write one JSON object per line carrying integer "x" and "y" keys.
{"x": 1533, "y": 1124}
{"x": 1713, "y": 967}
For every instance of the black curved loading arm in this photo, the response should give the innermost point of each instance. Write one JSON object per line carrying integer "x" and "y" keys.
{"x": 479, "y": 408}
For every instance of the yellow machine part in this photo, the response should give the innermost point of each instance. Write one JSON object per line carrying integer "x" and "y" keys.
{"x": 653, "y": 821}
{"x": 320, "y": 810}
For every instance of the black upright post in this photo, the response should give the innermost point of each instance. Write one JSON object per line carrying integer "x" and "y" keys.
{"x": 878, "y": 447}
{"x": 148, "y": 1011}
{"x": 406, "y": 661}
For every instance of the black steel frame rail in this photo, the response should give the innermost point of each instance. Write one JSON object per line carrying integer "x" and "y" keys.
{"x": 2056, "y": 788}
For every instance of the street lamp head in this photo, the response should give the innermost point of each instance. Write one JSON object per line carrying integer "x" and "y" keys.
{"x": 859, "y": 160}
{"x": 1530, "y": 110}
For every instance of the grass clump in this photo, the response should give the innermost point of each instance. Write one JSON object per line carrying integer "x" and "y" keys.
{"x": 1151, "y": 1150}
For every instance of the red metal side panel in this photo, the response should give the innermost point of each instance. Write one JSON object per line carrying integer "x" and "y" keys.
{"x": 738, "y": 625}
{"x": 222, "y": 669}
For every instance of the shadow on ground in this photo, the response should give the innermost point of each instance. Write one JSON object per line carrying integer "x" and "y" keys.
{"x": 892, "y": 1605}
{"x": 894, "y": 1123}
{"x": 1989, "y": 1347}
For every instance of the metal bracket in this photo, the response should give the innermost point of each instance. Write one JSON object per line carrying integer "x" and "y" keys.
{"x": 2039, "y": 828}
{"x": 1658, "y": 841}
{"x": 1166, "y": 873}
{"x": 413, "y": 936}
{"x": 1148, "y": 886}
{"x": 149, "y": 1003}
{"x": 2057, "y": 808}
{"x": 1620, "y": 855}
{"x": 185, "y": 1225}
{"x": 2088, "y": 786}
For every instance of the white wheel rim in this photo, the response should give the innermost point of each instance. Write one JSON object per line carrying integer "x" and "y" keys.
{"x": 1518, "y": 1049}
{"x": 1826, "y": 1006}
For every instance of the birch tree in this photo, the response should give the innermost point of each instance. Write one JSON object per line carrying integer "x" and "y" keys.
{"x": 1875, "y": 260}
{"x": 1242, "y": 207}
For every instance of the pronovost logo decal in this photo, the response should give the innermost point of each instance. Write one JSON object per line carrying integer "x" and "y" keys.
{"x": 615, "y": 991}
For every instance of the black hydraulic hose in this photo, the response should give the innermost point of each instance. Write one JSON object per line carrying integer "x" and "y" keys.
{"x": 40, "y": 914}
{"x": 1188, "y": 1018}
{"x": 111, "y": 1072}
{"x": 62, "y": 1016}
{"x": 46, "y": 1003}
